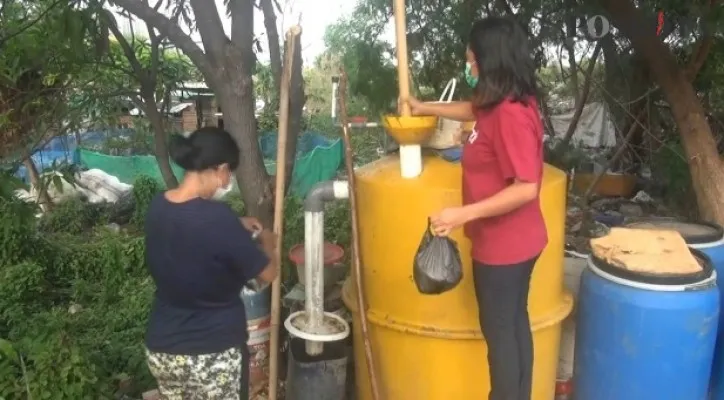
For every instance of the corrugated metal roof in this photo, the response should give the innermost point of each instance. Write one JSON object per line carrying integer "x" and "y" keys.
{"x": 194, "y": 86}
{"x": 179, "y": 107}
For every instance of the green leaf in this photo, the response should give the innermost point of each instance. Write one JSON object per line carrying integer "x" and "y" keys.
{"x": 8, "y": 350}
{"x": 58, "y": 183}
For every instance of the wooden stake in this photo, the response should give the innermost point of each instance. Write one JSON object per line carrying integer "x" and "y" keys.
{"x": 356, "y": 262}
{"x": 291, "y": 37}
{"x": 403, "y": 65}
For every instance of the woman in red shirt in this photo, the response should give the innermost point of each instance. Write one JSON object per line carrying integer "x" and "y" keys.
{"x": 502, "y": 166}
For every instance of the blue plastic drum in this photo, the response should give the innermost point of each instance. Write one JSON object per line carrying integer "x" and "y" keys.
{"x": 709, "y": 239}
{"x": 641, "y": 337}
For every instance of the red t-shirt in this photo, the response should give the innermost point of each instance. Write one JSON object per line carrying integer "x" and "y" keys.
{"x": 506, "y": 144}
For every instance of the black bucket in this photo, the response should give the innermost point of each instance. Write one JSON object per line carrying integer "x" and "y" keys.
{"x": 321, "y": 377}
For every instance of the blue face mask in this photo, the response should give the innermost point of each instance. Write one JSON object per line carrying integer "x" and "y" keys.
{"x": 469, "y": 78}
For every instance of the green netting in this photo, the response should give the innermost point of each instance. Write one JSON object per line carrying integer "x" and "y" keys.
{"x": 318, "y": 159}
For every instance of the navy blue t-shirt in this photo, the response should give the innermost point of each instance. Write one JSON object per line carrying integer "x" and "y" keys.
{"x": 200, "y": 256}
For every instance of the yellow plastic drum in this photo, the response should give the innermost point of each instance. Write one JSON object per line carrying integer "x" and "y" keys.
{"x": 430, "y": 347}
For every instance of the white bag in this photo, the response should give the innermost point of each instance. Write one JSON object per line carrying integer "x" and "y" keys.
{"x": 447, "y": 134}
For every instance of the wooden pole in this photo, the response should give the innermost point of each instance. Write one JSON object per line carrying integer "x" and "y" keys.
{"x": 356, "y": 262}
{"x": 403, "y": 65}
{"x": 291, "y": 37}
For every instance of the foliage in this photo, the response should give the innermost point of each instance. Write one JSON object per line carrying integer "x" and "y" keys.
{"x": 118, "y": 85}
{"x": 15, "y": 232}
{"x": 264, "y": 85}
{"x": 73, "y": 309}
{"x": 43, "y": 47}
{"x": 73, "y": 216}
{"x": 671, "y": 173}
{"x": 137, "y": 141}
{"x": 144, "y": 189}
{"x": 268, "y": 120}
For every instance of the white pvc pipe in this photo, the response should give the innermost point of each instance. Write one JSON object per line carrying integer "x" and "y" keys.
{"x": 410, "y": 160}
{"x": 314, "y": 277}
{"x": 335, "y": 87}
{"x": 314, "y": 267}
{"x": 341, "y": 190}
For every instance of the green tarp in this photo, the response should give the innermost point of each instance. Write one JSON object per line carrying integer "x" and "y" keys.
{"x": 318, "y": 159}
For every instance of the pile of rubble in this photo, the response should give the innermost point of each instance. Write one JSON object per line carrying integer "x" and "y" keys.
{"x": 594, "y": 220}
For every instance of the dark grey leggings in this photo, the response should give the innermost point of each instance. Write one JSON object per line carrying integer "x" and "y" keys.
{"x": 244, "y": 388}
{"x": 502, "y": 294}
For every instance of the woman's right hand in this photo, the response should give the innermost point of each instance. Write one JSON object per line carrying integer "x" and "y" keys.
{"x": 268, "y": 244}
{"x": 268, "y": 240}
{"x": 416, "y": 106}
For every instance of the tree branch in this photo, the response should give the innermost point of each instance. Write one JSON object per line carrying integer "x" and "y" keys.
{"x": 29, "y": 24}
{"x": 127, "y": 49}
{"x": 701, "y": 51}
{"x": 210, "y": 28}
{"x": 156, "y": 50}
{"x": 242, "y": 17}
{"x": 170, "y": 29}
{"x": 581, "y": 104}
{"x": 275, "y": 58}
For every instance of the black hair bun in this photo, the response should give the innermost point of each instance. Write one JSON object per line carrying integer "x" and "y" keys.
{"x": 206, "y": 148}
{"x": 183, "y": 152}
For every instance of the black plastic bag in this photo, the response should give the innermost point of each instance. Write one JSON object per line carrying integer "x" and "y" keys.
{"x": 437, "y": 267}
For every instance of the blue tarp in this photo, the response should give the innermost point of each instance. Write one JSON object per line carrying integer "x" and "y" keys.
{"x": 58, "y": 150}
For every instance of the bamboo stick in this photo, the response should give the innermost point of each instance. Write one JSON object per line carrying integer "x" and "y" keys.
{"x": 291, "y": 37}
{"x": 403, "y": 65}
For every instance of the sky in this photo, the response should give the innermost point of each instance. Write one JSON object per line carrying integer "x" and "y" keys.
{"x": 314, "y": 15}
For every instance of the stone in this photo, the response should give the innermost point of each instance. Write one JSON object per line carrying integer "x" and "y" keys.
{"x": 576, "y": 227}
{"x": 631, "y": 210}
{"x": 605, "y": 203}
{"x": 114, "y": 227}
{"x": 75, "y": 308}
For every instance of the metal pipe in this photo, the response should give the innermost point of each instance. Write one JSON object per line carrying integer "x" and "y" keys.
{"x": 320, "y": 194}
{"x": 361, "y": 125}
{"x": 335, "y": 86}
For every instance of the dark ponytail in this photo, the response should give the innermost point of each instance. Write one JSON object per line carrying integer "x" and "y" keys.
{"x": 205, "y": 148}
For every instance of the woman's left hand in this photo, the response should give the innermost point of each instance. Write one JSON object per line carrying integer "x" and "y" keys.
{"x": 251, "y": 224}
{"x": 447, "y": 220}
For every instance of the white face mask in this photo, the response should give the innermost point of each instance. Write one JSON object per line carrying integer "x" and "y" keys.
{"x": 222, "y": 191}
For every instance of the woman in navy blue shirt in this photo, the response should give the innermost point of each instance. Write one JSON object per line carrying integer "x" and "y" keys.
{"x": 200, "y": 255}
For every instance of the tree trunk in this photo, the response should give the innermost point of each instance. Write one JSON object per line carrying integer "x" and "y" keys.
{"x": 616, "y": 82}
{"x": 580, "y": 104}
{"x": 638, "y": 100}
{"x": 227, "y": 65}
{"x": 254, "y": 182}
{"x": 160, "y": 146}
{"x": 569, "y": 44}
{"x": 705, "y": 165}
{"x": 44, "y": 200}
{"x": 296, "y": 109}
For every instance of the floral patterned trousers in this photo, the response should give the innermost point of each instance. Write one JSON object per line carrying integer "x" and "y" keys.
{"x": 218, "y": 376}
